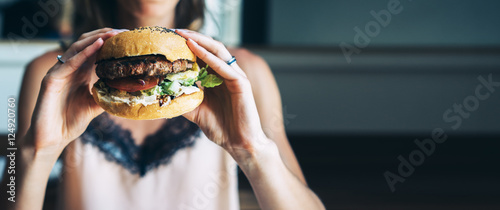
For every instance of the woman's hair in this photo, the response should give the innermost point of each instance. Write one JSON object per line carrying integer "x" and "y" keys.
{"x": 93, "y": 14}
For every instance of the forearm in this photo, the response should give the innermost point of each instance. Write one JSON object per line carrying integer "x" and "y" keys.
{"x": 274, "y": 185}
{"x": 36, "y": 168}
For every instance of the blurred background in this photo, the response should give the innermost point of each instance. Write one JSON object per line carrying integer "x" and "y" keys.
{"x": 360, "y": 82}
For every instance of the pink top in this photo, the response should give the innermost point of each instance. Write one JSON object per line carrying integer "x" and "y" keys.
{"x": 201, "y": 176}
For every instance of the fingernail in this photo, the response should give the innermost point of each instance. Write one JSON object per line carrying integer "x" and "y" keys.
{"x": 191, "y": 40}
{"x": 117, "y": 30}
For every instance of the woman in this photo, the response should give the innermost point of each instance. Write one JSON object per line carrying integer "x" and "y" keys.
{"x": 244, "y": 122}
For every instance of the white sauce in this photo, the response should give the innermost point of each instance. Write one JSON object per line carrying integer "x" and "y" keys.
{"x": 144, "y": 99}
{"x": 189, "y": 90}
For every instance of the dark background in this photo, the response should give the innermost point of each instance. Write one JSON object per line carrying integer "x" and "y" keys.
{"x": 353, "y": 120}
{"x": 349, "y": 122}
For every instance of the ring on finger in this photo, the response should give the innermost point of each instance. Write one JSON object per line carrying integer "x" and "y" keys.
{"x": 59, "y": 58}
{"x": 231, "y": 61}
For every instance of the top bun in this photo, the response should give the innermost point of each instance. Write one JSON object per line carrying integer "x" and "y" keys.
{"x": 146, "y": 41}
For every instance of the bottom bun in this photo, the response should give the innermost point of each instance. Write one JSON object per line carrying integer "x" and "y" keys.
{"x": 178, "y": 106}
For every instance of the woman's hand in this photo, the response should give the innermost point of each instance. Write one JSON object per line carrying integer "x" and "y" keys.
{"x": 229, "y": 117}
{"x": 65, "y": 106}
{"x": 228, "y": 114}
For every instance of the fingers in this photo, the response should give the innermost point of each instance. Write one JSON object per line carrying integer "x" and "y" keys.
{"x": 72, "y": 64}
{"x": 215, "y": 47}
{"x": 94, "y": 32}
{"x": 82, "y": 44}
{"x": 213, "y": 61}
{"x": 95, "y": 109}
{"x": 213, "y": 52}
{"x": 79, "y": 46}
{"x": 76, "y": 61}
{"x": 98, "y": 31}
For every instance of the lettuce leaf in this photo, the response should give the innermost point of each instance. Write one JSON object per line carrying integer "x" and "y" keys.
{"x": 102, "y": 86}
{"x": 152, "y": 91}
{"x": 168, "y": 87}
{"x": 211, "y": 81}
{"x": 203, "y": 73}
{"x": 208, "y": 80}
{"x": 187, "y": 82}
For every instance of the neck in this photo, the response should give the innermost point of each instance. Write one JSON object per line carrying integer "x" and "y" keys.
{"x": 130, "y": 21}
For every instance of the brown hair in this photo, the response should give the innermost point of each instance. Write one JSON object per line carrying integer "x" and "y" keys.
{"x": 93, "y": 14}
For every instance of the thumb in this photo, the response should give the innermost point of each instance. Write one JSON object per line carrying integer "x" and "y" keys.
{"x": 94, "y": 108}
{"x": 192, "y": 115}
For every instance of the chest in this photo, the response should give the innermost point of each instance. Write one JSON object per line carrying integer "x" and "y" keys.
{"x": 202, "y": 171}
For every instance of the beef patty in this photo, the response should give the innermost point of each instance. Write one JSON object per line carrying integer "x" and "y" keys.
{"x": 147, "y": 65}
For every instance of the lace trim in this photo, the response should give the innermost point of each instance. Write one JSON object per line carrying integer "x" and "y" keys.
{"x": 118, "y": 145}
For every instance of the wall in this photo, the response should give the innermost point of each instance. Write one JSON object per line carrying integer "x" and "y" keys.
{"x": 13, "y": 60}
{"x": 386, "y": 92}
{"x": 421, "y": 22}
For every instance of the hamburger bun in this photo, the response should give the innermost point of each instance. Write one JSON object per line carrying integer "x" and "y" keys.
{"x": 127, "y": 60}
{"x": 146, "y": 41}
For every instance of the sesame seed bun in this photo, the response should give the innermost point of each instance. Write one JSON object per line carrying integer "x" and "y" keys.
{"x": 146, "y": 41}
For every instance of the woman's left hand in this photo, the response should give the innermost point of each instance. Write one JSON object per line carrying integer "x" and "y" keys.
{"x": 228, "y": 115}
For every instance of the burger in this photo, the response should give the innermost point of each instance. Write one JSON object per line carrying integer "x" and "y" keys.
{"x": 149, "y": 73}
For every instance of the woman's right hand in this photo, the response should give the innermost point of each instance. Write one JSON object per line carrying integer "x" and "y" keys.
{"x": 65, "y": 107}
